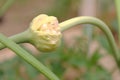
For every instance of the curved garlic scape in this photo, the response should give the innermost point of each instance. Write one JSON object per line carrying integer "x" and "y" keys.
{"x": 46, "y": 33}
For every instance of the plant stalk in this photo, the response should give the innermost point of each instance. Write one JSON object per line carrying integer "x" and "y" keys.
{"x": 98, "y": 23}
{"x": 27, "y": 57}
{"x": 19, "y": 38}
{"x": 117, "y": 3}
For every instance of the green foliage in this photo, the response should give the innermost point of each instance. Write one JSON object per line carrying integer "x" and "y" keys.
{"x": 96, "y": 74}
{"x": 104, "y": 43}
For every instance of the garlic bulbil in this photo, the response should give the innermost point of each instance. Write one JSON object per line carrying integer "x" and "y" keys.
{"x": 46, "y": 34}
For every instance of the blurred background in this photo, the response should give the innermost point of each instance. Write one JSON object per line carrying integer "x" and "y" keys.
{"x": 84, "y": 53}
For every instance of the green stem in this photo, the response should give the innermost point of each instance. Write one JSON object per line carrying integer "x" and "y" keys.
{"x": 27, "y": 57}
{"x": 117, "y": 3}
{"x": 5, "y": 7}
{"x": 94, "y": 21}
{"x": 19, "y": 38}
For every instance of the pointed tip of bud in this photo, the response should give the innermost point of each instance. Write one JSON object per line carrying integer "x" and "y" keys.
{"x": 46, "y": 32}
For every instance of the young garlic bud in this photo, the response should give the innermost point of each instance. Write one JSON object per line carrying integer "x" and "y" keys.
{"x": 45, "y": 32}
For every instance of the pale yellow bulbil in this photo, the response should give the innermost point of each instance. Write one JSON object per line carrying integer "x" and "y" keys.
{"x": 46, "y": 33}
